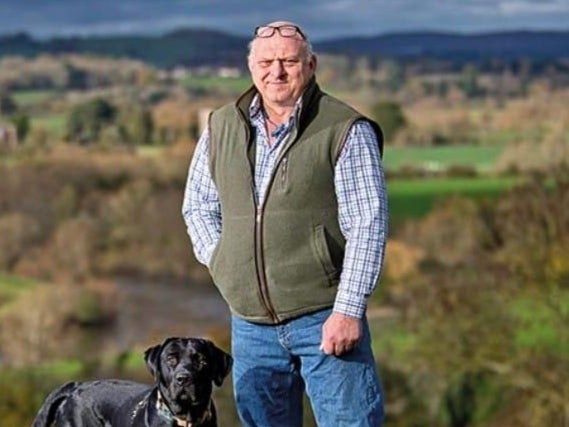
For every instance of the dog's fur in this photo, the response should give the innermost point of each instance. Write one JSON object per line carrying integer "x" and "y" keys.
{"x": 184, "y": 370}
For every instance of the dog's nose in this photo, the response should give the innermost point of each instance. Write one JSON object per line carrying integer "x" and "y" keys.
{"x": 182, "y": 378}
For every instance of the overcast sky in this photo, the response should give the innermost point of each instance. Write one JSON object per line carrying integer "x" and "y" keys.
{"x": 321, "y": 18}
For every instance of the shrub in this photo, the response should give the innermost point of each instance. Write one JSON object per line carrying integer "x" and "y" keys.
{"x": 22, "y": 123}
{"x": 18, "y": 231}
{"x": 47, "y": 322}
{"x": 390, "y": 117}
{"x": 86, "y": 121}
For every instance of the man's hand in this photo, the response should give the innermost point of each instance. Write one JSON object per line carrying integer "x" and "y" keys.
{"x": 340, "y": 334}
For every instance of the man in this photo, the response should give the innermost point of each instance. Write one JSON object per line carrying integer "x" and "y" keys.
{"x": 286, "y": 205}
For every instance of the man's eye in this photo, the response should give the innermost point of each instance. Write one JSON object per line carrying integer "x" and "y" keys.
{"x": 265, "y": 64}
{"x": 290, "y": 62}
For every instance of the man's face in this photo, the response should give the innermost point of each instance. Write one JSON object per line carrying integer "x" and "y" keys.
{"x": 280, "y": 69}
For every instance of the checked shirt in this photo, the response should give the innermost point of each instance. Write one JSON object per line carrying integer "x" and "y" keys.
{"x": 360, "y": 190}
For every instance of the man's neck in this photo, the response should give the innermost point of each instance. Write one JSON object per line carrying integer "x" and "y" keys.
{"x": 278, "y": 113}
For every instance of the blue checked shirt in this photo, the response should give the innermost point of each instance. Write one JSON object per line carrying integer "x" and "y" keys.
{"x": 360, "y": 190}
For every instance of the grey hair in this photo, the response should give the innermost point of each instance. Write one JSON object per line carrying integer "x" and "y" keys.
{"x": 306, "y": 44}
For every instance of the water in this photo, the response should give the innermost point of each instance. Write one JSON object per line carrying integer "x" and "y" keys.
{"x": 148, "y": 312}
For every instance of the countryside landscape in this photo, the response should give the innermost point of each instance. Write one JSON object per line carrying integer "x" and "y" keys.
{"x": 470, "y": 322}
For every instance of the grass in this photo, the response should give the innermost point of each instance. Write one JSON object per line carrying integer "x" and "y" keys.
{"x": 542, "y": 322}
{"x": 60, "y": 369}
{"x": 54, "y": 123}
{"x": 480, "y": 157}
{"x": 150, "y": 150}
{"x": 25, "y": 98}
{"x": 225, "y": 85}
{"x": 412, "y": 198}
{"x": 391, "y": 341}
{"x": 11, "y": 287}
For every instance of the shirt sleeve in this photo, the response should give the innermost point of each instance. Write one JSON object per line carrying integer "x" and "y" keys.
{"x": 363, "y": 216}
{"x": 201, "y": 207}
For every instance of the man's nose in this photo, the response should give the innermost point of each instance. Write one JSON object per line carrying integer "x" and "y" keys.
{"x": 277, "y": 68}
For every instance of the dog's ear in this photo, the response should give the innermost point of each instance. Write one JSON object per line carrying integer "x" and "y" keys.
{"x": 221, "y": 361}
{"x": 152, "y": 359}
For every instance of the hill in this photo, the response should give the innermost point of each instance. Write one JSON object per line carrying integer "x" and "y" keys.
{"x": 536, "y": 45}
{"x": 194, "y": 47}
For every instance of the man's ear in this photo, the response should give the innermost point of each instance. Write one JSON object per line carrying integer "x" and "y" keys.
{"x": 313, "y": 63}
{"x": 250, "y": 64}
{"x": 222, "y": 363}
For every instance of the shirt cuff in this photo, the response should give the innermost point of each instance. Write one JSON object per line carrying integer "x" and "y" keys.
{"x": 350, "y": 304}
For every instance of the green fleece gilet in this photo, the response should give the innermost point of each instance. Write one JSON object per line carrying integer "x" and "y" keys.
{"x": 284, "y": 258}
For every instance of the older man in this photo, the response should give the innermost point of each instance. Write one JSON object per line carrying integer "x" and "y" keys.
{"x": 286, "y": 205}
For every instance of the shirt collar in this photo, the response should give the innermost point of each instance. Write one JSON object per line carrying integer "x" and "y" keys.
{"x": 256, "y": 108}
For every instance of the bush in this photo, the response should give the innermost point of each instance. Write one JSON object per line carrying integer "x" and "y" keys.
{"x": 489, "y": 307}
{"x": 7, "y": 104}
{"x": 390, "y": 117}
{"x": 18, "y": 232}
{"x": 47, "y": 322}
{"x": 22, "y": 123}
{"x": 86, "y": 121}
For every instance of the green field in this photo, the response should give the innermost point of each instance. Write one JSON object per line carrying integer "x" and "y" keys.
{"x": 25, "y": 98}
{"x": 411, "y": 198}
{"x": 55, "y": 123}
{"x": 222, "y": 85}
{"x": 11, "y": 287}
{"x": 480, "y": 157}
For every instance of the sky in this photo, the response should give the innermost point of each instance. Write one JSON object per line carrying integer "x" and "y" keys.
{"x": 322, "y": 19}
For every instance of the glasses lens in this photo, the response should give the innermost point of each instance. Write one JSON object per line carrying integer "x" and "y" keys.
{"x": 264, "y": 31}
{"x": 287, "y": 31}
{"x": 284, "y": 30}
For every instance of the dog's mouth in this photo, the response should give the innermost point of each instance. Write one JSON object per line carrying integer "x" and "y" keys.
{"x": 183, "y": 406}
{"x": 189, "y": 395}
{"x": 183, "y": 394}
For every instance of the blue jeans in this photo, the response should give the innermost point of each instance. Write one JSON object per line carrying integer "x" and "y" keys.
{"x": 273, "y": 363}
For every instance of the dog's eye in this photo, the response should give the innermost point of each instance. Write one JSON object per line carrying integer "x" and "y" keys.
{"x": 199, "y": 362}
{"x": 172, "y": 360}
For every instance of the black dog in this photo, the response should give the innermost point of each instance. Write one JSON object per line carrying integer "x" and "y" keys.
{"x": 184, "y": 369}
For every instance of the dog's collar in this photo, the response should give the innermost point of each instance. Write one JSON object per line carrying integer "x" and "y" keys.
{"x": 165, "y": 412}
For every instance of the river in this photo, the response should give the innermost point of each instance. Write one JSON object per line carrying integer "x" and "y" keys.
{"x": 148, "y": 312}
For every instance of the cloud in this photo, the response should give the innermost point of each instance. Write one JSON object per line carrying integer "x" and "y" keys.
{"x": 525, "y": 7}
{"x": 321, "y": 18}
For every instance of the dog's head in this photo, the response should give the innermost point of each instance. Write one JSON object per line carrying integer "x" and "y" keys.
{"x": 184, "y": 369}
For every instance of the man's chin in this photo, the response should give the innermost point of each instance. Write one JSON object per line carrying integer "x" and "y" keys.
{"x": 284, "y": 98}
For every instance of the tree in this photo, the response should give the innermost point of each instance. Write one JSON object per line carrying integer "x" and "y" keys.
{"x": 469, "y": 83}
{"x": 395, "y": 76}
{"x": 7, "y": 104}
{"x": 493, "y": 322}
{"x": 86, "y": 121}
{"x": 22, "y": 123}
{"x": 136, "y": 126}
{"x": 76, "y": 77}
{"x": 390, "y": 117}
